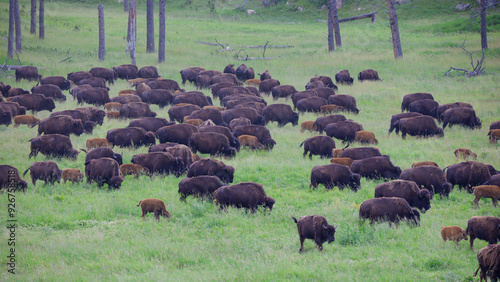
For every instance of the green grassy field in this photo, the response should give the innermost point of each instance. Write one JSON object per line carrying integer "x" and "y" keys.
{"x": 82, "y": 232}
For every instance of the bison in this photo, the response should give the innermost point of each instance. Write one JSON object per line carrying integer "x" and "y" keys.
{"x": 192, "y": 97}
{"x": 136, "y": 110}
{"x": 261, "y": 132}
{"x": 233, "y": 141}
{"x": 368, "y": 74}
{"x": 10, "y": 179}
{"x": 463, "y": 116}
{"x": 282, "y": 91}
{"x": 467, "y": 174}
{"x": 425, "y": 106}
{"x": 107, "y": 74}
{"x": 103, "y": 152}
{"x": 418, "y": 126}
{"x": 200, "y": 186}
{"x": 160, "y": 97}
{"x": 148, "y": 72}
{"x": 267, "y": 85}
{"x": 246, "y": 195}
{"x": 343, "y": 130}
{"x": 249, "y": 113}
{"x": 395, "y": 120}
{"x": 178, "y": 112}
{"x": 97, "y": 143}
{"x": 251, "y": 142}
{"x": 464, "y": 153}
{"x": 376, "y": 168}
{"x": 430, "y": 177}
{"x": 344, "y": 77}
{"x": 48, "y": 171}
{"x": 327, "y": 81}
{"x": 314, "y": 227}
{"x": 93, "y": 96}
{"x": 453, "y": 233}
{"x": 332, "y": 175}
{"x": 322, "y": 122}
{"x": 104, "y": 171}
{"x": 486, "y": 191}
{"x": 417, "y": 164}
{"x": 318, "y": 145}
{"x": 88, "y": 124}
{"x": 442, "y": 108}
{"x": 365, "y": 137}
{"x": 156, "y": 206}
{"x": 53, "y": 145}
{"x": 160, "y": 162}
{"x": 308, "y": 125}
{"x": 133, "y": 169}
{"x": 311, "y": 104}
{"x": 127, "y": 71}
{"x": 280, "y": 113}
{"x": 212, "y": 167}
{"x": 211, "y": 143}
{"x": 348, "y": 102}
{"x": 130, "y": 136}
{"x": 487, "y": 259}
{"x": 49, "y": 90}
{"x": 494, "y": 135}
{"x": 71, "y": 174}
{"x": 485, "y": 228}
{"x": 408, "y": 190}
{"x": 60, "y": 81}
{"x": 150, "y": 123}
{"x": 6, "y": 118}
{"x": 63, "y": 124}
{"x": 190, "y": 74}
{"x": 390, "y": 209}
{"x": 27, "y": 72}
{"x": 409, "y": 98}
{"x": 29, "y": 120}
{"x": 35, "y": 102}
{"x": 78, "y": 76}
{"x": 178, "y": 133}
{"x": 359, "y": 153}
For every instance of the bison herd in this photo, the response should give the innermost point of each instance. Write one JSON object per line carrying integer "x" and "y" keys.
{"x": 196, "y": 125}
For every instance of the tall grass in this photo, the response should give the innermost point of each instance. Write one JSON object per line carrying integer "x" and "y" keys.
{"x": 82, "y": 232}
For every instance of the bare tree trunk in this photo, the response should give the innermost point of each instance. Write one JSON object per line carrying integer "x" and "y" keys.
{"x": 161, "y": 39}
{"x": 33, "y": 17}
{"x": 132, "y": 24}
{"x": 125, "y": 5}
{"x": 10, "y": 42}
{"x": 150, "y": 18}
{"x": 393, "y": 17}
{"x": 243, "y": 6}
{"x": 102, "y": 50}
{"x": 17, "y": 16}
{"x": 484, "y": 38}
{"x": 331, "y": 46}
{"x": 41, "y": 20}
{"x": 336, "y": 27}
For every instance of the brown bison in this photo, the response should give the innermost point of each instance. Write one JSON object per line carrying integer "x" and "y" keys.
{"x": 49, "y": 90}
{"x": 343, "y": 130}
{"x": 314, "y": 227}
{"x": 240, "y": 72}
{"x": 494, "y": 135}
{"x": 280, "y": 113}
{"x": 109, "y": 75}
{"x": 395, "y": 119}
{"x": 251, "y": 142}
{"x": 27, "y": 72}
{"x": 368, "y": 74}
{"x": 464, "y": 153}
{"x": 96, "y": 115}
{"x": 342, "y": 161}
{"x": 322, "y": 122}
{"x": 318, "y": 145}
{"x": 160, "y": 97}
{"x": 418, "y": 126}
{"x": 453, "y": 233}
{"x": 48, "y": 171}
{"x": 190, "y": 74}
{"x": 282, "y": 91}
{"x": 229, "y": 69}
{"x": 332, "y": 175}
{"x": 425, "y": 106}
{"x": 25, "y": 119}
{"x": 76, "y": 77}
{"x": 156, "y": 206}
{"x": 71, "y": 174}
{"x": 93, "y": 96}
{"x": 239, "y": 121}
{"x": 467, "y": 174}
{"x": 133, "y": 169}
{"x": 200, "y": 186}
{"x": 261, "y": 132}
{"x": 112, "y": 106}
{"x": 125, "y": 99}
{"x": 359, "y": 153}
{"x": 16, "y": 91}
{"x": 148, "y": 72}
{"x": 130, "y": 136}
{"x": 246, "y": 195}
{"x": 103, "y": 152}
{"x": 311, "y": 104}
{"x": 248, "y": 113}
{"x": 212, "y": 167}
{"x": 178, "y": 112}
{"x": 409, "y": 98}
{"x": 6, "y": 118}
{"x": 308, "y": 125}
{"x": 266, "y": 86}
{"x": 442, "y": 108}
{"x": 35, "y": 102}
{"x": 209, "y": 114}
{"x": 166, "y": 84}
{"x": 495, "y": 125}
{"x": 329, "y": 109}
{"x": 211, "y": 143}
{"x": 181, "y": 152}
{"x": 485, "y": 228}
{"x": 150, "y": 123}
{"x": 127, "y": 71}
{"x": 160, "y": 162}
{"x": 65, "y": 125}
{"x": 10, "y": 179}
{"x": 408, "y": 190}
{"x": 324, "y": 92}
{"x": 136, "y": 110}
{"x": 327, "y": 81}
{"x": 430, "y": 177}
{"x": 297, "y": 96}
{"x": 314, "y": 85}
{"x": 104, "y": 171}
{"x": 390, "y": 209}
{"x": 486, "y": 191}
{"x": 218, "y": 86}
{"x": 224, "y": 77}
{"x": 88, "y": 124}
{"x": 365, "y": 137}
{"x": 97, "y": 143}
{"x": 192, "y": 97}
{"x": 4, "y": 89}
{"x": 488, "y": 258}
{"x": 265, "y": 75}
{"x": 178, "y": 133}
{"x": 53, "y": 145}
{"x": 95, "y": 82}
{"x": 417, "y": 164}
{"x": 463, "y": 116}
{"x": 376, "y": 168}
{"x": 344, "y": 77}
{"x": 348, "y": 102}
{"x": 233, "y": 141}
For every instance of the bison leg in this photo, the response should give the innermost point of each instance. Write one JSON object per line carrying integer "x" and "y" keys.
{"x": 472, "y": 237}
{"x": 495, "y": 202}
{"x": 157, "y": 215}
{"x": 476, "y": 202}
{"x": 144, "y": 215}
{"x": 319, "y": 245}
{"x": 302, "y": 238}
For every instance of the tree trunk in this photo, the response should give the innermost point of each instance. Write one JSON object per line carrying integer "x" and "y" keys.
{"x": 161, "y": 39}
{"x": 484, "y": 38}
{"x": 10, "y": 42}
{"x": 33, "y": 17}
{"x": 102, "y": 50}
{"x": 331, "y": 46}
{"x": 41, "y": 20}
{"x": 336, "y": 27}
{"x": 393, "y": 17}
{"x": 150, "y": 18}
{"x": 125, "y": 5}
{"x": 17, "y": 16}
{"x": 132, "y": 24}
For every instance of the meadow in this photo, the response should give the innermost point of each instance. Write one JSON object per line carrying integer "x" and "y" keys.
{"x": 83, "y": 232}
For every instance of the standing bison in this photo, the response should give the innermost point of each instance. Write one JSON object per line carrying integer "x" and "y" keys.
{"x": 130, "y": 136}
{"x": 408, "y": 190}
{"x": 27, "y": 72}
{"x": 319, "y": 145}
{"x": 488, "y": 258}
{"x": 49, "y": 90}
{"x": 211, "y": 143}
{"x": 178, "y": 133}
{"x": 368, "y": 74}
{"x": 127, "y": 71}
{"x": 246, "y": 195}
{"x": 332, "y": 175}
{"x": 409, "y": 98}
{"x": 391, "y": 209}
{"x": 314, "y": 227}
{"x": 35, "y": 102}
{"x": 10, "y": 179}
{"x": 104, "y": 171}
{"x": 259, "y": 131}
{"x": 463, "y": 116}
{"x": 430, "y": 177}
{"x": 53, "y": 145}
{"x": 48, "y": 171}
{"x": 348, "y": 102}
{"x": 199, "y": 186}
{"x": 467, "y": 174}
{"x": 280, "y": 113}
{"x": 485, "y": 228}
{"x": 344, "y": 77}
{"x": 107, "y": 74}
{"x": 212, "y": 167}
{"x": 395, "y": 120}
{"x": 418, "y": 126}
{"x": 136, "y": 110}
{"x": 160, "y": 162}
{"x": 376, "y": 168}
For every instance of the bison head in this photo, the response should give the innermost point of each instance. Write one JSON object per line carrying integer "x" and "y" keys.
{"x": 89, "y": 126}
{"x": 115, "y": 182}
{"x": 78, "y": 127}
{"x": 72, "y": 154}
{"x": 424, "y": 200}
{"x": 439, "y": 132}
{"x": 355, "y": 181}
{"x": 295, "y": 119}
{"x": 150, "y": 138}
{"x": 330, "y": 230}
{"x": 415, "y": 217}
{"x": 477, "y": 123}
{"x": 22, "y": 185}
{"x": 226, "y": 175}
{"x": 446, "y": 188}
{"x": 269, "y": 143}
{"x": 269, "y": 203}
{"x": 230, "y": 152}
{"x": 118, "y": 158}
{"x": 48, "y": 104}
{"x": 98, "y": 117}
{"x": 5, "y": 118}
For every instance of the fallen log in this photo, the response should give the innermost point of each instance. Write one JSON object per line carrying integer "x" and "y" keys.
{"x": 14, "y": 67}
{"x": 372, "y": 15}
{"x": 246, "y": 46}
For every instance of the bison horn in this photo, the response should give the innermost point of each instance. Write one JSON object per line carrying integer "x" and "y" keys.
{"x": 335, "y": 226}
{"x": 325, "y": 227}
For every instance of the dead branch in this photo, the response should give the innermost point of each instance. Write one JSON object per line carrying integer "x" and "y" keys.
{"x": 65, "y": 59}
{"x": 247, "y": 46}
{"x": 257, "y": 58}
{"x": 264, "y": 52}
{"x": 477, "y": 68}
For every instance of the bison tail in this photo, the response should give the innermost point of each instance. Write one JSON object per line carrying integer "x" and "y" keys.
{"x": 301, "y": 144}
{"x": 139, "y": 203}
{"x": 346, "y": 146}
{"x": 26, "y": 171}
{"x": 475, "y": 273}
{"x": 83, "y": 150}
{"x": 294, "y": 219}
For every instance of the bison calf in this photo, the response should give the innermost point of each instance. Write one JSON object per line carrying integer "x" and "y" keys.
{"x": 342, "y": 161}
{"x": 133, "y": 169}
{"x": 417, "y": 164}
{"x": 155, "y": 206}
{"x": 365, "y": 137}
{"x": 97, "y": 143}
{"x": 314, "y": 227}
{"x": 465, "y": 154}
{"x": 453, "y": 233}
{"x": 71, "y": 174}
{"x": 308, "y": 125}
{"x": 486, "y": 191}
{"x": 26, "y": 119}
{"x": 494, "y": 135}
{"x": 251, "y": 142}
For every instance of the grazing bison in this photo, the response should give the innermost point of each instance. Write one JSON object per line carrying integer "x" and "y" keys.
{"x": 322, "y": 122}
{"x": 71, "y": 174}
{"x": 344, "y": 77}
{"x": 376, "y": 168}
{"x": 495, "y": 125}
{"x": 166, "y": 84}
{"x": 311, "y": 104}
{"x": 297, "y": 96}
{"x": 88, "y": 125}
{"x": 442, "y": 108}
{"x": 103, "y": 152}
{"x": 11, "y": 179}
{"x": 248, "y": 113}
{"x": 332, "y": 175}
{"x": 178, "y": 112}
{"x": 35, "y": 102}
{"x": 308, "y": 125}
{"x": 53, "y": 145}
{"x": 462, "y": 115}
{"x": 109, "y": 75}
{"x": 342, "y": 161}
{"x": 453, "y": 233}
{"x": 65, "y": 125}
{"x": 324, "y": 92}
{"x": 485, "y": 228}
{"x": 94, "y": 96}
{"x": 239, "y": 121}
{"x": 48, "y": 171}
{"x": 95, "y": 82}
{"x": 6, "y": 118}
{"x": 430, "y": 177}
{"x": 486, "y": 191}
{"x": 218, "y": 86}
{"x": 76, "y": 77}
{"x": 365, "y": 137}
{"x": 209, "y": 114}
{"x": 25, "y": 119}
{"x": 368, "y": 74}
{"x": 127, "y": 71}
{"x": 97, "y": 143}
{"x": 417, "y": 164}
{"x": 408, "y": 190}
{"x": 156, "y": 206}
{"x": 60, "y": 81}
{"x": 212, "y": 167}
{"x": 96, "y": 115}
{"x": 467, "y": 174}
{"x": 246, "y": 195}
{"x": 148, "y": 72}
{"x": 329, "y": 109}
{"x": 425, "y": 106}
{"x": 233, "y": 141}
{"x": 390, "y": 209}
{"x": 327, "y": 81}
{"x": 27, "y": 72}
{"x": 359, "y": 153}
{"x": 190, "y": 74}
{"x": 282, "y": 91}
{"x": 314, "y": 227}
{"x": 150, "y": 123}
{"x": 133, "y": 169}
{"x": 225, "y": 77}
{"x": 104, "y": 171}
{"x": 200, "y": 186}
{"x": 130, "y": 136}
{"x": 487, "y": 259}
{"x": 343, "y": 130}
{"x": 232, "y": 90}
{"x": 125, "y": 99}
{"x": 211, "y": 143}
{"x": 136, "y": 110}
{"x": 418, "y": 126}
{"x": 314, "y": 85}
{"x": 160, "y": 97}
{"x": 178, "y": 133}
{"x": 464, "y": 153}
{"x": 261, "y": 132}
{"x": 251, "y": 142}
{"x": 318, "y": 145}
{"x": 16, "y": 91}
{"x": 494, "y": 135}
{"x": 160, "y": 162}
{"x": 192, "y": 97}
{"x": 395, "y": 119}
{"x": 409, "y": 98}
{"x": 266, "y": 86}
{"x": 346, "y": 101}
{"x": 182, "y": 152}
{"x": 280, "y": 113}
